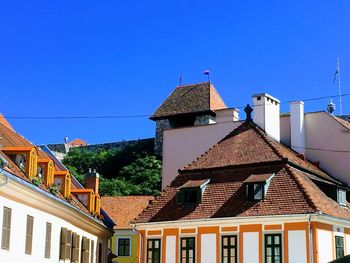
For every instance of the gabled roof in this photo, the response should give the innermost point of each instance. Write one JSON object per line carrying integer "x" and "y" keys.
{"x": 189, "y": 99}
{"x": 245, "y": 153}
{"x": 124, "y": 209}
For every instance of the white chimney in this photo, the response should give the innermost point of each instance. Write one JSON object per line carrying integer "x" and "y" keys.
{"x": 267, "y": 114}
{"x": 297, "y": 126}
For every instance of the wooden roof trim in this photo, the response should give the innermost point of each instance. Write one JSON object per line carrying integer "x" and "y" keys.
{"x": 17, "y": 149}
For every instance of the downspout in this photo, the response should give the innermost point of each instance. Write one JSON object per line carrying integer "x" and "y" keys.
{"x": 310, "y": 239}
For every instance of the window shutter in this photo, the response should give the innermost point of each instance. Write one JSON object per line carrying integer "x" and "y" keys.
{"x": 180, "y": 197}
{"x": 63, "y": 243}
{"x": 85, "y": 247}
{"x": 75, "y": 247}
{"x": 48, "y": 240}
{"x": 6, "y": 228}
{"x": 29, "y": 235}
{"x": 92, "y": 251}
{"x": 69, "y": 245}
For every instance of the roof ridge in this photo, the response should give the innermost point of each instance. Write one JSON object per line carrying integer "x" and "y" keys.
{"x": 243, "y": 127}
{"x": 268, "y": 139}
{"x": 301, "y": 185}
{"x": 18, "y": 134}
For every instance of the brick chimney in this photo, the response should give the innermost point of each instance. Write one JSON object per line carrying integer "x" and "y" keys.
{"x": 92, "y": 180}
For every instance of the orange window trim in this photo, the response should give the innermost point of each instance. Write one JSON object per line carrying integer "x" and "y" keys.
{"x": 143, "y": 248}
{"x": 250, "y": 228}
{"x": 188, "y": 231}
{"x": 17, "y": 149}
{"x": 229, "y": 229}
{"x": 61, "y": 173}
{"x": 273, "y": 227}
{"x": 44, "y": 160}
{"x": 79, "y": 191}
{"x": 154, "y": 232}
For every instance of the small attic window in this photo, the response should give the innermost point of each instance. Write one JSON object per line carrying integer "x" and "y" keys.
{"x": 255, "y": 191}
{"x": 191, "y": 192}
{"x": 341, "y": 196}
{"x": 257, "y": 185}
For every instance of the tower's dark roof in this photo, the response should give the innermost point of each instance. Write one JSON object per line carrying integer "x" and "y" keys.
{"x": 194, "y": 98}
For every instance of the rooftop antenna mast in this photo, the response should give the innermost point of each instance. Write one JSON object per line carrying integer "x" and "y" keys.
{"x": 337, "y": 73}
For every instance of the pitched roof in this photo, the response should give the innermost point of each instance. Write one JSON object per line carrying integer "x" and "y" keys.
{"x": 124, "y": 209}
{"x": 249, "y": 144}
{"x": 10, "y": 138}
{"x": 194, "y": 98}
{"x": 77, "y": 142}
{"x": 244, "y": 154}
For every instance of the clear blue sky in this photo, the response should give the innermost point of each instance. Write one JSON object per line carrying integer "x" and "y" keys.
{"x": 91, "y": 58}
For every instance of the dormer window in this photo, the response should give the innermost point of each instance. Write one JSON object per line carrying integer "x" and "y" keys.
{"x": 191, "y": 192}
{"x": 257, "y": 185}
{"x": 341, "y": 196}
{"x": 255, "y": 191}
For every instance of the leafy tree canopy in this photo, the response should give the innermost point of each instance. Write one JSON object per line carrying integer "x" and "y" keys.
{"x": 133, "y": 170}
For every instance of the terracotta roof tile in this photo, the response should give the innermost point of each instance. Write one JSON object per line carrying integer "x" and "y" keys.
{"x": 257, "y": 178}
{"x": 292, "y": 190}
{"x": 124, "y": 209}
{"x": 77, "y": 142}
{"x": 194, "y": 98}
{"x": 225, "y": 196}
{"x": 194, "y": 183}
{"x": 249, "y": 144}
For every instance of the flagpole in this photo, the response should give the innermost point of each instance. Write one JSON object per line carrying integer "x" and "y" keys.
{"x": 340, "y": 103}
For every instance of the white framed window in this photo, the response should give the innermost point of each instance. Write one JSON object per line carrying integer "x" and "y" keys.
{"x": 124, "y": 246}
{"x": 341, "y": 197}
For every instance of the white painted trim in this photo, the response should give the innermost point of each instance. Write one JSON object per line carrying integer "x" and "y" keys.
{"x": 117, "y": 245}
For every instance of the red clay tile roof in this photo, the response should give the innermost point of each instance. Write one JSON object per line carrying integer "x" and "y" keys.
{"x": 77, "y": 142}
{"x": 194, "y": 98}
{"x": 257, "y": 178}
{"x": 10, "y": 138}
{"x": 124, "y": 209}
{"x": 194, "y": 183}
{"x": 247, "y": 152}
{"x": 249, "y": 144}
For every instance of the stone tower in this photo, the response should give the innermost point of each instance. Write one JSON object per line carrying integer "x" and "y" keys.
{"x": 189, "y": 105}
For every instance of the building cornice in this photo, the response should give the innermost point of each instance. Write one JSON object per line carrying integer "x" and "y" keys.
{"x": 27, "y": 194}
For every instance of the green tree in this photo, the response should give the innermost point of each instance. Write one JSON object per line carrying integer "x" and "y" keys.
{"x": 144, "y": 174}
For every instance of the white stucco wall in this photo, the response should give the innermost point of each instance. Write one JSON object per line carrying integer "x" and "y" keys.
{"x": 208, "y": 245}
{"x": 297, "y": 246}
{"x": 347, "y": 242}
{"x": 251, "y": 247}
{"x": 327, "y": 136}
{"x": 325, "y": 245}
{"x": 170, "y": 250}
{"x": 16, "y": 253}
{"x": 184, "y": 145}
